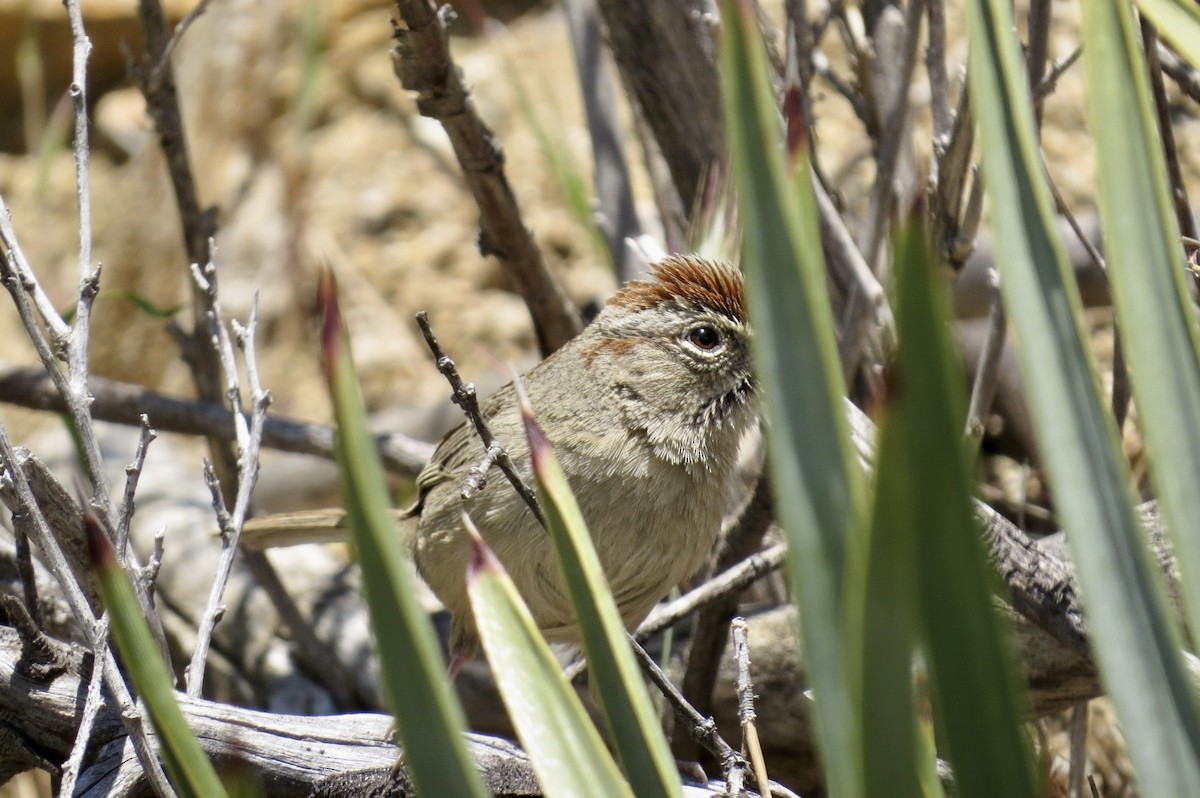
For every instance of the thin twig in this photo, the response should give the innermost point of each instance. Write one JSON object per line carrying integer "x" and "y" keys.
{"x": 745, "y": 703}
{"x": 125, "y": 403}
{"x": 51, "y": 550}
{"x": 703, "y": 729}
{"x": 249, "y": 446}
{"x": 710, "y": 633}
{"x": 1037, "y": 50}
{"x": 92, "y": 705}
{"x": 935, "y": 67}
{"x": 893, "y": 114}
{"x": 169, "y": 48}
{"x": 463, "y": 395}
{"x": 424, "y": 65}
{"x": 133, "y": 472}
{"x": 26, "y": 571}
{"x": 22, "y": 285}
{"x": 1049, "y": 82}
{"x": 987, "y": 372}
{"x": 1180, "y": 71}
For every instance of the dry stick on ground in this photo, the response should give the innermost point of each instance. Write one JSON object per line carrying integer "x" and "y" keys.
{"x": 424, "y": 65}
{"x": 125, "y": 403}
{"x": 463, "y": 395}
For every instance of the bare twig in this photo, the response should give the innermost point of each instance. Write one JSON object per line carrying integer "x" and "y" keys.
{"x": 703, "y": 729}
{"x": 463, "y": 395}
{"x": 1049, "y": 82}
{"x": 735, "y": 579}
{"x": 132, "y": 472}
{"x": 1184, "y": 75}
{"x": 893, "y": 113}
{"x": 22, "y": 285}
{"x": 125, "y": 403}
{"x": 249, "y": 446}
{"x": 935, "y": 66}
{"x": 168, "y": 49}
{"x": 1037, "y": 50}
{"x": 730, "y": 581}
{"x": 26, "y": 572}
{"x": 745, "y": 703}
{"x": 424, "y": 65}
{"x": 87, "y": 718}
{"x": 987, "y": 372}
{"x": 52, "y": 551}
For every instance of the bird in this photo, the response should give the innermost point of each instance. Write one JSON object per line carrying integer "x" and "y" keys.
{"x": 647, "y": 408}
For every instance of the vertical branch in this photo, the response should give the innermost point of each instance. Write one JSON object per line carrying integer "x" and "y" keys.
{"x": 618, "y": 215}
{"x": 898, "y": 58}
{"x": 249, "y": 445}
{"x": 424, "y": 65}
{"x": 668, "y": 63}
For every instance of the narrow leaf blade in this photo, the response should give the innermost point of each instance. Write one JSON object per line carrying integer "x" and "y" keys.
{"x": 428, "y": 716}
{"x": 566, "y": 750}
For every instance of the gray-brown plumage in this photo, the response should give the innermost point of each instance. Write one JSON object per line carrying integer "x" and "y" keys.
{"x": 646, "y": 409}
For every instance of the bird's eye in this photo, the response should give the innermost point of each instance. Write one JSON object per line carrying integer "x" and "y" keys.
{"x": 702, "y": 337}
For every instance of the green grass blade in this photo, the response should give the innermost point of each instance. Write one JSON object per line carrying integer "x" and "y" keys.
{"x": 191, "y": 772}
{"x": 1176, "y": 21}
{"x": 882, "y": 636}
{"x": 817, "y": 481}
{"x": 1148, "y": 274}
{"x": 636, "y": 735}
{"x": 428, "y": 715}
{"x": 969, "y": 649}
{"x": 1136, "y": 642}
{"x": 566, "y": 750}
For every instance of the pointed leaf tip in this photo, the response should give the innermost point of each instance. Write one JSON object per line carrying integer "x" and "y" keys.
{"x": 482, "y": 557}
{"x": 797, "y": 125}
{"x": 539, "y": 445}
{"x": 100, "y": 548}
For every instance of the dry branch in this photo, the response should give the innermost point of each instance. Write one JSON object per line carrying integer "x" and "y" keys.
{"x": 424, "y": 65}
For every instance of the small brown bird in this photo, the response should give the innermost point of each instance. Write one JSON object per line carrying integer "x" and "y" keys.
{"x": 646, "y": 409}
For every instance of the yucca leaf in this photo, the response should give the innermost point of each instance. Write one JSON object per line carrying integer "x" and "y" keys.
{"x": 641, "y": 746}
{"x": 566, "y": 750}
{"x": 428, "y": 716}
{"x": 1136, "y": 642}
{"x": 191, "y": 772}
{"x": 817, "y": 481}
{"x": 969, "y": 648}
